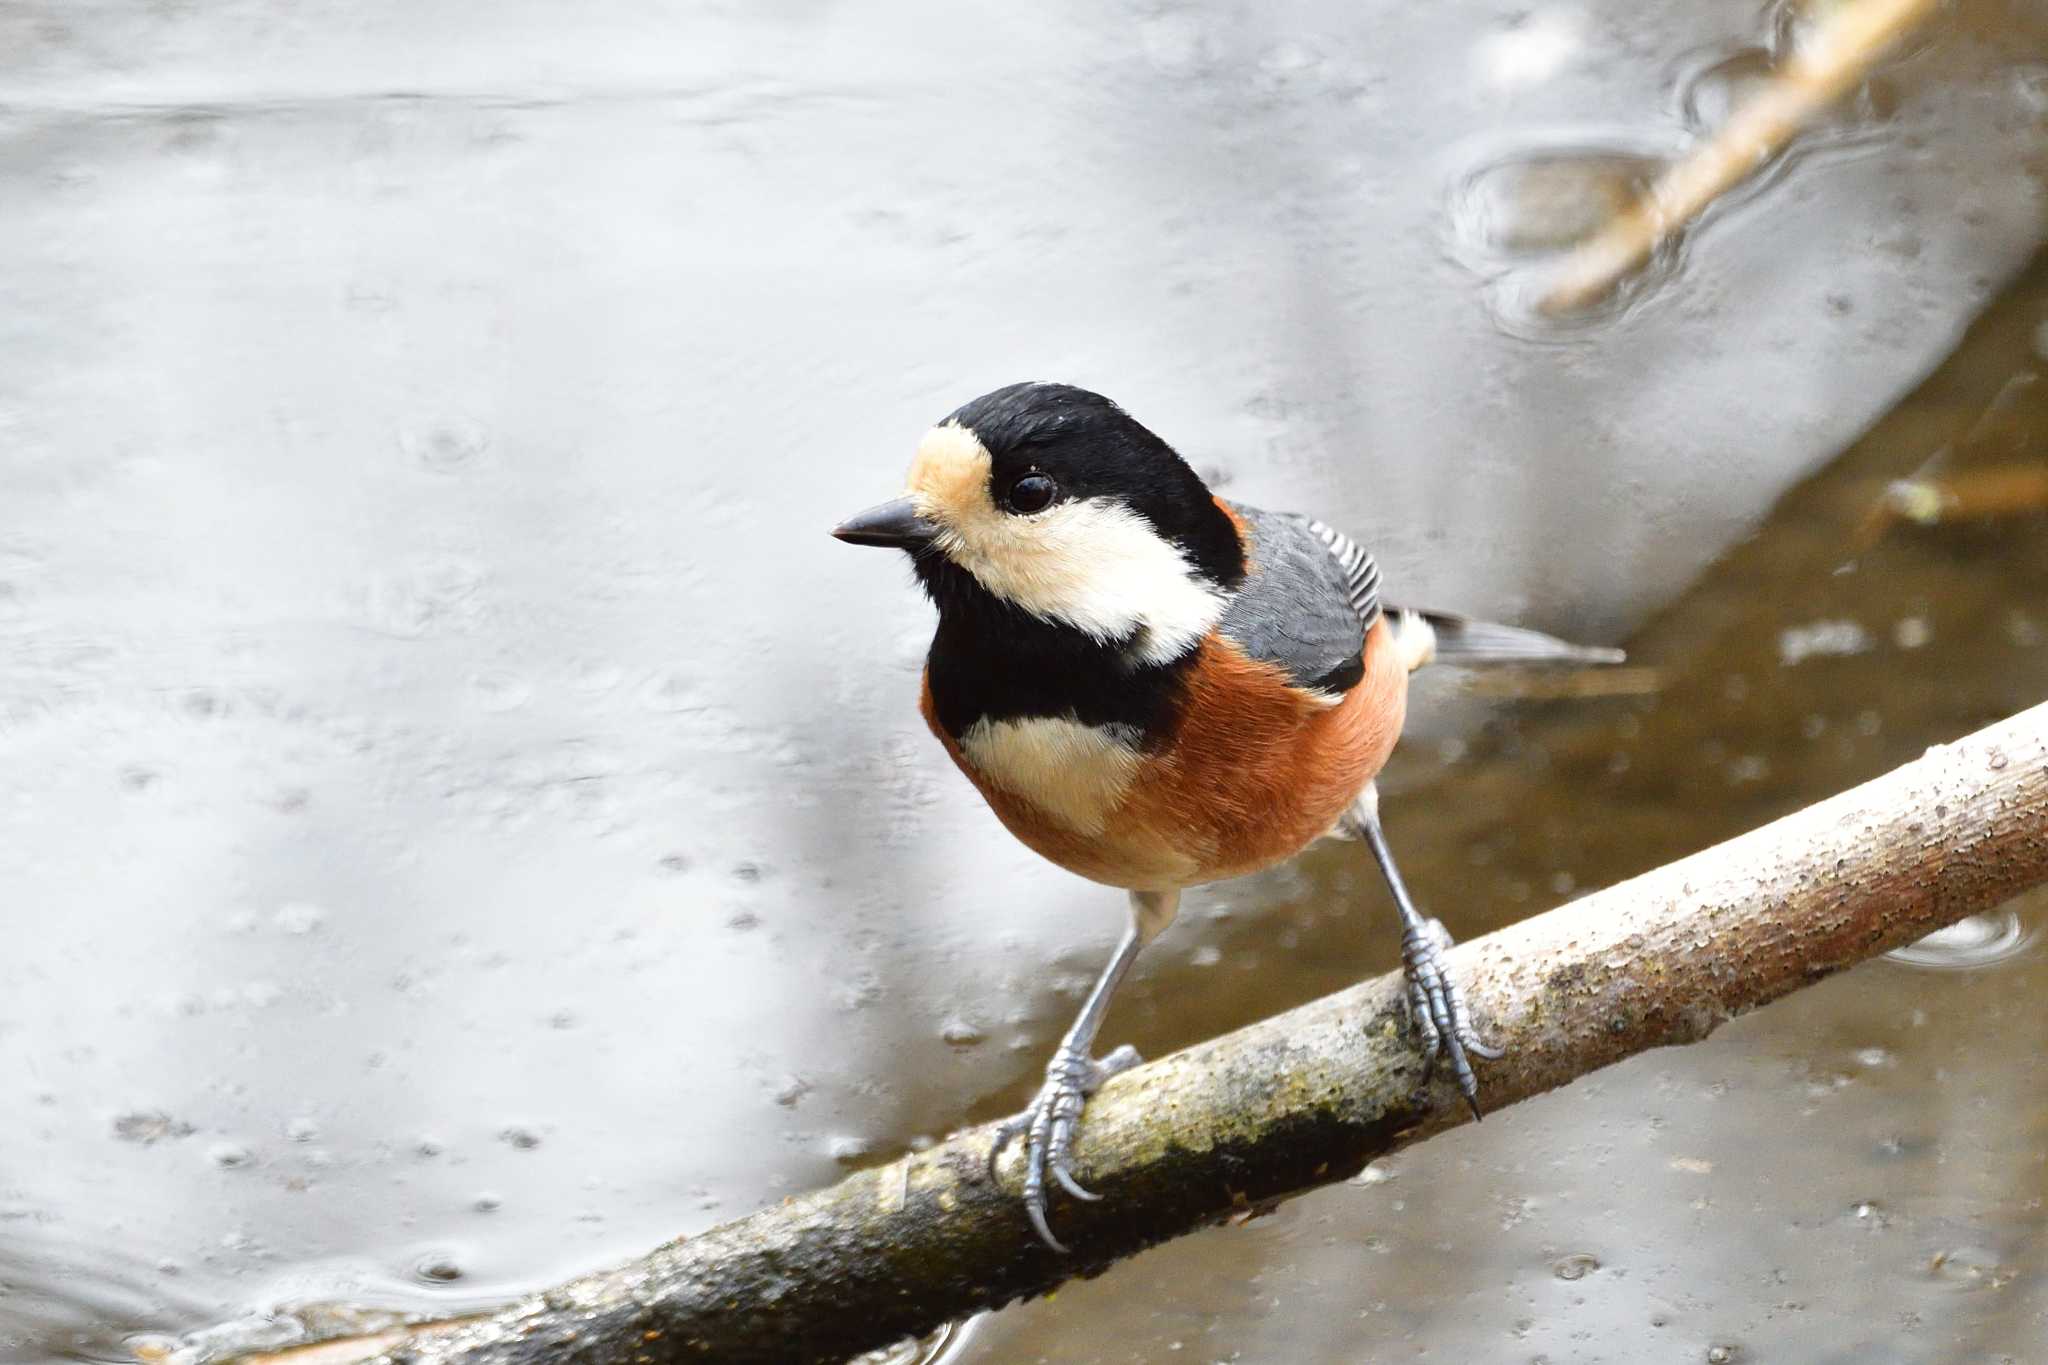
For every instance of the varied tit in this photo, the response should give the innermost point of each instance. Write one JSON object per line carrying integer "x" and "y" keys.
{"x": 1155, "y": 688}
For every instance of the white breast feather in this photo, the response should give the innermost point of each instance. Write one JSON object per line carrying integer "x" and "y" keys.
{"x": 1076, "y": 774}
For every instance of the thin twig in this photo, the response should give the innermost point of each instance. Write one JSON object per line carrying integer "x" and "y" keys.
{"x": 1839, "y": 57}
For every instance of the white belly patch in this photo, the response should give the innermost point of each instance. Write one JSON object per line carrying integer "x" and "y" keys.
{"x": 1076, "y": 774}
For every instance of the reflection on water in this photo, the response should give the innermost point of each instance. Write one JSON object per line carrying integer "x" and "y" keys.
{"x": 1717, "y": 84}
{"x": 1979, "y": 941}
{"x": 1513, "y": 219}
{"x": 947, "y": 1344}
{"x": 462, "y": 822}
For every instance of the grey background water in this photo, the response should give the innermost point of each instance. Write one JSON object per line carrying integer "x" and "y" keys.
{"x": 462, "y": 821}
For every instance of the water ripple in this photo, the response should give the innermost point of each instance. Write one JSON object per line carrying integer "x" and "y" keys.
{"x": 1979, "y": 941}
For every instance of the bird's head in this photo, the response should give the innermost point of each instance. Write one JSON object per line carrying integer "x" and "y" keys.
{"x": 1053, "y": 501}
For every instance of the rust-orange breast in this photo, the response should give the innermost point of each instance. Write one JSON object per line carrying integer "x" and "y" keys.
{"x": 1254, "y": 771}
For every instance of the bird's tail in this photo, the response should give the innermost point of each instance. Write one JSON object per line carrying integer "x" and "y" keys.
{"x": 1449, "y": 639}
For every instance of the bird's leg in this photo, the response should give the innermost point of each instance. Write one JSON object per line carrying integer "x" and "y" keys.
{"x": 1434, "y": 1001}
{"x": 1049, "y": 1123}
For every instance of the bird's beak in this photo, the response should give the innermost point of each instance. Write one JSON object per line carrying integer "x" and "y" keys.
{"x": 893, "y": 524}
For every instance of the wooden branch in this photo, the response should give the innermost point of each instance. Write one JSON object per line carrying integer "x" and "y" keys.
{"x": 1308, "y": 1097}
{"x": 1848, "y": 45}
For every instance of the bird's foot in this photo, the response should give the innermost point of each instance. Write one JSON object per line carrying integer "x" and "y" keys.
{"x": 1438, "y": 1008}
{"x": 1048, "y": 1125}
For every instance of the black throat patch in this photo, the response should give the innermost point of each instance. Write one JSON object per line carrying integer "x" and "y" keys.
{"x": 991, "y": 660}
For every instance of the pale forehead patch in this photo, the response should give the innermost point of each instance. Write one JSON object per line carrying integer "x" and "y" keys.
{"x": 1091, "y": 563}
{"x": 949, "y": 473}
{"x": 1075, "y": 774}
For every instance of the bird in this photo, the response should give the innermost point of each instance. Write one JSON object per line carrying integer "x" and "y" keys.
{"x": 1155, "y": 688}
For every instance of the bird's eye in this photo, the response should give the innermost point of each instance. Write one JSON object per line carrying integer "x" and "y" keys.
{"x": 1032, "y": 493}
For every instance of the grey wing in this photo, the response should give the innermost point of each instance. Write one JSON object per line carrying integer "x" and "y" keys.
{"x": 1297, "y": 606}
{"x": 1447, "y": 637}
{"x": 1361, "y": 570}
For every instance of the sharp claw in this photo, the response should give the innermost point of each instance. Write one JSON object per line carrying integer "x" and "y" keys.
{"x": 1007, "y": 1130}
{"x": 1036, "y": 1212}
{"x": 1438, "y": 1010}
{"x": 1072, "y": 1186}
{"x": 1049, "y": 1125}
{"x": 1467, "y": 1085}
